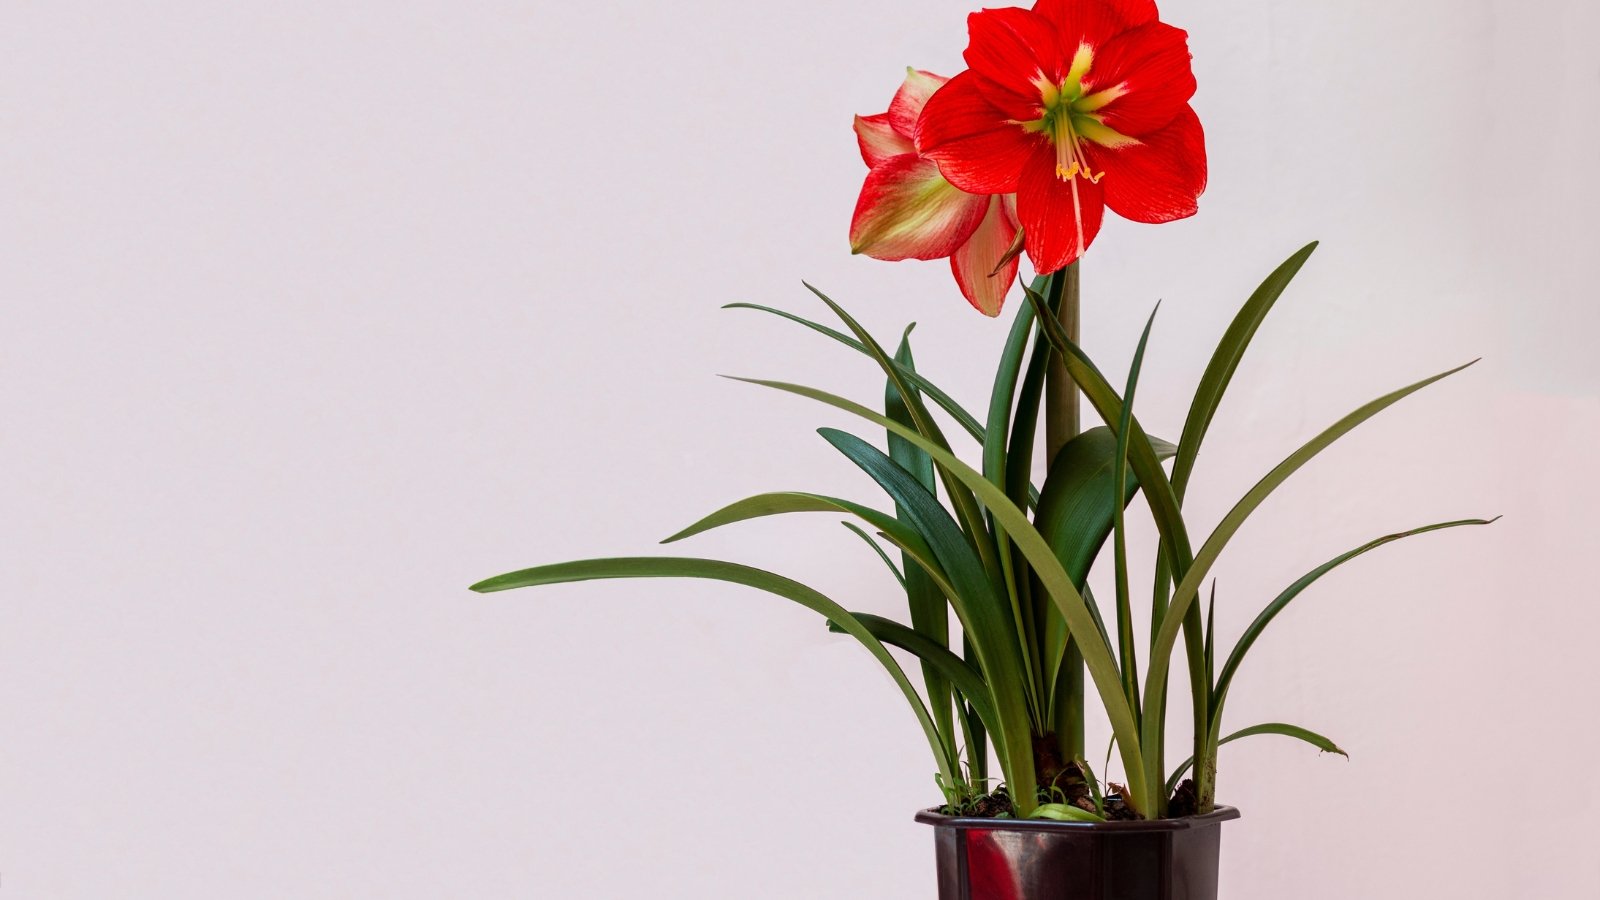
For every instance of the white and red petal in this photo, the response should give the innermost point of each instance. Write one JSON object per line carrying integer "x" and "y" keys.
{"x": 1059, "y": 218}
{"x": 907, "y": 210}
{"x": 976, "y": 145}
{"x": 906, "y": 107}
{"x": 1015, "y": 52}
{"x": 977, "y": 265}
{"x": 879, "y": 141}
{"x": 1161, "y": 179}
{"x": 1095, "y": 21}
{"x": 1149, "y": 72}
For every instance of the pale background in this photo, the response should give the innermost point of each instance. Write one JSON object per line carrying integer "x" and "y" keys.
{"x": 315, "y": 313}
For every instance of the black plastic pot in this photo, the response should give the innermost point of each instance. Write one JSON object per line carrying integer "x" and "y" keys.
{"x": 1011, "y": 859}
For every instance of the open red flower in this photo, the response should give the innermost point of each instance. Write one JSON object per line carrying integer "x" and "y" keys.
{"x": 1074, "y": 105}
{"x": 907, "y": 210}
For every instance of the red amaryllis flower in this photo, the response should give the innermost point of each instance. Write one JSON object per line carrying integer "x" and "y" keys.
{"x": 907, "y": 210}
{"x": 1075, "y": 105}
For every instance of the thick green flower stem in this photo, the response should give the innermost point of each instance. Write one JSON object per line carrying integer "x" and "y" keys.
{"x": 1060, "y": 391}
{"x": 1060, "y": 426}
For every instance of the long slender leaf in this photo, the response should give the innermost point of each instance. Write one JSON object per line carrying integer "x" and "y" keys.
{"x": 1253, "y": 632}
{"x": 961, "y": 498}
{"x": 1077, "y": 504}
{"x": 1025, "y": 422}
{"x": 1046, "y": 629}
{"x": 1001, "y": 397}
{"x": 956, "y": 411}
{"x": 983, "y": 617}
{"x": 877, "y": 548}
{"x": 1076, "y": 513}
{"x": 996, "y": 457}
{"x": 1294, "y": 731}
{"x": 1097, "y": 656}
{"x": 966, "y": 420}
{"x": 1225, "y": 361}
{"x": 1189, "y": 587}
{"x": 1174, "y": 544}
{"x": 929, "y": 614}
{"x": 1141, "y": 451}
{"x": 1125, "y": 642}
{"x": 955, "y": 669}
{"x": 1208, "y": 397}
{"x": 717, "y": 570}
{"x": 782, "y": 502}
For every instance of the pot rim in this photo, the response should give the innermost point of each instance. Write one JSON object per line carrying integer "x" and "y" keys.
{"x": 1215, "y": 817}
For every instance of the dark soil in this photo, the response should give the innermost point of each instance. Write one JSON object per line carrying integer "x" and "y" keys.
{"x": 1184, "y": 800}
{"x": 1072, "y": 787}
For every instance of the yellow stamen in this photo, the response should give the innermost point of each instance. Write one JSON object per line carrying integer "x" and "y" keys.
{"x": 1070, "y": 159}
{"x": 1067, "y": 118}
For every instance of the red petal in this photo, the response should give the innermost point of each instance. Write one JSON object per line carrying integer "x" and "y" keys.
{"x": 978, "y": 257}
{"x": 1059, "y": 218}
{"x": 1150, "y": 68}
{"x": 977, "y": 148}
{"x": 879, "y": 141}
{"x": 907, "y": 105}
{"x": 908, "y": 211}
{"x": 1095, "y": 21}
{"x": 1013, "y": 50}
{"x": 1160, "y": 179}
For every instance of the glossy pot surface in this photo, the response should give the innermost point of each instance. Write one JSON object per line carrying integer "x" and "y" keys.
{"x": 1009, "y": 859}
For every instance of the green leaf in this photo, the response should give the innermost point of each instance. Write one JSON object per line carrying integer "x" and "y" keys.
{"x": 733, "y": 573}
{"x": 1294, "y": 731}
{"x": 1174, "y": 544}
{"x": 982, "y": 615}
{"x": 1252, "y": 633}
{"x": 1025, "y": 423}
{"x": 1077, "y": 506}
{"x": 929, "y": 614}
{"x": 1094, "y": 784}
{"x": 1189, "y": 587}
{"x": 1208, "y": 396}
{"x": 1141, "y": 450}
{"x": 1125, "y": 642}
{"x": 1211, "y": 635}
{"x": 1097, "y": 656}
{"x": 1077, "y": 511}
{"x": 780, "y": 502}
{"x": 1000, "y": 398}
{"x": 995, "y": 462}
{"x": 878, "y": 549}
{"x": 966, "y": 420}
{"x": 1061, "y": 812}
{"x": 954, "y": 669}
{"x": 966, "y": 506}
{"x": 1225, "y": 361}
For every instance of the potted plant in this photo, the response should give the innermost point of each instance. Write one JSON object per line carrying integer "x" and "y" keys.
{"x": 1067, "y": 109}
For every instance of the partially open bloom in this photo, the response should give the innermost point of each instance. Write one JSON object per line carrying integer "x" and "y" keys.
{"x": 908, "y": 210}
{"x": 1074, "y": 105}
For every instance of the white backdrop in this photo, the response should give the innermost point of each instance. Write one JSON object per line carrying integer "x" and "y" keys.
{"x": 314, "y": 313}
